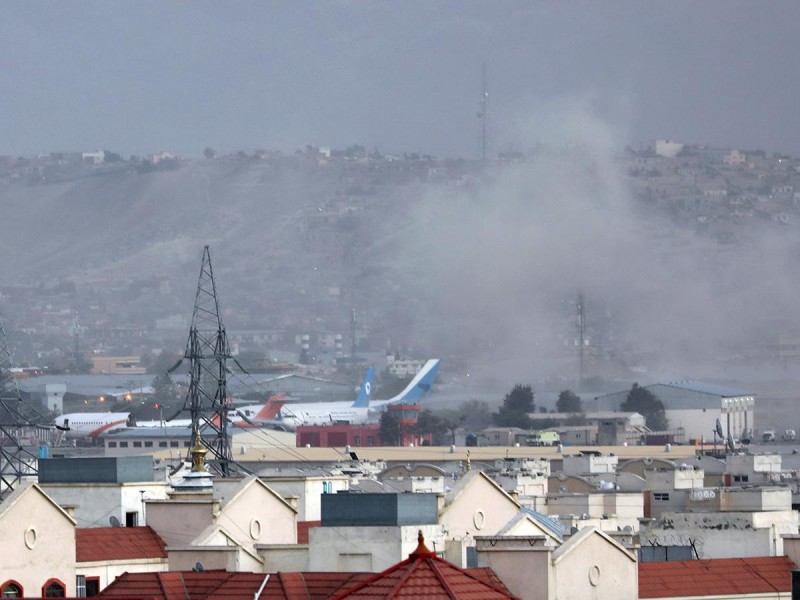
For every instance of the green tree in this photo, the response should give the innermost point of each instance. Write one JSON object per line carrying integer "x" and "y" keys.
{"x": 389, "y": 429}
{"x": 569, "y": 402}
{"x": 517, "y": 404}
{"x": 440, "y": 427}
{"x": 647, "y": 404}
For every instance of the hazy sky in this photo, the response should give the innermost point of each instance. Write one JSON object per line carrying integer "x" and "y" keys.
{"x": 140, "y": 76}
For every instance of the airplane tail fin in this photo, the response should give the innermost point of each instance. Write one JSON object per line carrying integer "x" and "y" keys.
{"x": 420, "y": 385}
{"x": 366, "y": 390}
{"x": 271, "y": 408}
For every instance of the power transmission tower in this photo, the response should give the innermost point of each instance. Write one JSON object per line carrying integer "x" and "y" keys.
{"x": 207, "y": 352}
{"x": 18, "y": 421}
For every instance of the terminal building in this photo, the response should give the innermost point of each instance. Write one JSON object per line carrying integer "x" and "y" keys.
{"x": 695, "y": 408}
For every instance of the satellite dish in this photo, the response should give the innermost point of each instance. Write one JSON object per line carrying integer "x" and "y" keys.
{"x": 627, "y": 529}
{"x": 114, "y": 521}
{"x": 573, "y": 530}
{"x": 731, "y": 444}
{"x": 718, "y": 429}
{"x": 198, "y": 567}
{"x": 647, "y": 460}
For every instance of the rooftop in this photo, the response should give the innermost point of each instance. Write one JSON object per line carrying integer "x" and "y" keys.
{"x": 117, "y": 543}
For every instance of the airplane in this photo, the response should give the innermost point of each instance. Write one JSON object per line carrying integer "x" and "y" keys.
{"x": 279, "y": 415}
{"x": 363, "y": 410}
{"x": 91, "y": 425}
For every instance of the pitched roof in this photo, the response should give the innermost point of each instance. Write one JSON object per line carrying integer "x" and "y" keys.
{"x": 225, "y": 585}
{"x": 425, "y": 575}
{"x": 118, "y": 543}
{"x": 715, "y": 577}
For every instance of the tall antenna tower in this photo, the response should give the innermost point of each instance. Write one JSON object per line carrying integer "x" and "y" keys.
{"x": 18, "y": 421}
{"x": 580, "y": 310}
{"x": 208, "y": 352}
{"x": 483, "y": 108}
{"x": 353, "y": 337}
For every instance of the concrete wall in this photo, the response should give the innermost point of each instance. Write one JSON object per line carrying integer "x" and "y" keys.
{"x": 256, "y": 516}
{"x": 179, "y": 522}
{"x": 108, "y": 571}
{"x": 309, "y": 492}
{"x": 367, "y": 548}
{"x": 589, "y": 464}
{"x": 725, "y": 535}
{"x": 480, "y": 509}
{"x": 38, "y": 543}
{"x": 285, "y": 557}
{"x": 524, "y": 571}
{"x": 95, "y": 504}
{"x": 595, "y": 570}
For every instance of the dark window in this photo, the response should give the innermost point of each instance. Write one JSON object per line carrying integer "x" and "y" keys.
{"x": 54, "y": 589}
{"x": 11, "y": 589}
{"x": 131, "y": 519}
{"x": 112, "y": 444}
{"x": 92, "y": 586}
{"x": 162, "y": 444}
{"x": 661, "y": 496}
{"x": 137, "y": 444}
{"x": 186, "y": 444}
{"x": 357, "y": 440}
{"x": 370, "y": 441}
{"x": 123, "y": 444}
{"x": 148, "y": 444}
{"x": 173, "y": 444}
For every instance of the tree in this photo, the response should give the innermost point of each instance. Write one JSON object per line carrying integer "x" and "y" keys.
{"x": 647, "y": 404}
{"x": 516, "y": 406}
{"x": 440, "y": 427}
{"x": 474, "y": 415}
{"x": 389, "y": 429}
{"x": 569, "y": 402}
{"x": 209, "y": 153}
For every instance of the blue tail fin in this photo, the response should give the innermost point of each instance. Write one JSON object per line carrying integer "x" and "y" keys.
{"x": 366, "y": 390}
{"x": 420, "y": 385}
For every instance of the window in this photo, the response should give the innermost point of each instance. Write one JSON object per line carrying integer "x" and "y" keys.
{"x": 123, "y": 444}
{"x": 137, "y": 444}
{"x": 131, "y": 519}
{"x": 148, "y": 444}
{"x": 11, "y": 589}
{"x": 661, "y": 496}
{"x": 173, "y": 444}
{"x": 112, "y": 444}
{"x": 357, "y": 440}
{"x": 53, "y": 588}
{"x": 370, "y": 441}
{"x": 92, "y": 586}
{"x": 186, "y": 444}
{"x": 162, "y": 444}
{"x": 741, "y": 478}
{"x": 80, "y": 586}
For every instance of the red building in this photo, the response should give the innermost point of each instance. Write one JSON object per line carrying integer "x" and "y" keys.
{"x": 339, "y": 435}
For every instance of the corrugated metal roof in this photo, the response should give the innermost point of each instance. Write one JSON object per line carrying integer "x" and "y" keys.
{"x": 705, "y": 388}
{"x": 715, "y": 577}
{"x": 117, "y": 543}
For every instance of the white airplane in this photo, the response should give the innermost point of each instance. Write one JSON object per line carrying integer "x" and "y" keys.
{"x": 90, "y": 425}
{"x": 290, "y": 416}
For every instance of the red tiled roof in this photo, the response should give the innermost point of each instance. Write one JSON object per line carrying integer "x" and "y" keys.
{"x": 118, "y": 543}
{"x": 721, "y": 576}
{"x": 425, "y": 575}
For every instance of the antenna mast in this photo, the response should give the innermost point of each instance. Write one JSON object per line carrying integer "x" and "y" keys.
{"x": 580, "y": 307}
{"x": 483, "y": 106}
{"x": 353, "y": 337}
{"x": 207, "y": 351}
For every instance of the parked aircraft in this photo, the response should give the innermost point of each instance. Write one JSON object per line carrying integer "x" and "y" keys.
{"x": 91, "y": 425}
{"x": 362, "y": 410}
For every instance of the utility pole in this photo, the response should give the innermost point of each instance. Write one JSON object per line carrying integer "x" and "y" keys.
{"x": 483, "y": 108}
{"x": 353, "y": 337}
{"x": 580, "y": 307}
